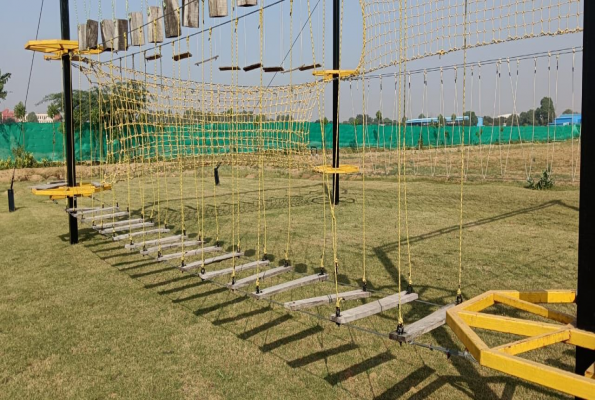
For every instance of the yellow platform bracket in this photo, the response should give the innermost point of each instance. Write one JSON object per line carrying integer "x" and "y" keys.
{"x": 466, "y": 316}
{"x": 57, "y": 48}
{"x": 330, "y": 74}
{"x": 343, "y": 169}
{"x": 85, "y": 189}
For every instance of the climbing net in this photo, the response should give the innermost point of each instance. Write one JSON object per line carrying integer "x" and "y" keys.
{"x": 155, "y": 116}
{"x": 398, "y": 31}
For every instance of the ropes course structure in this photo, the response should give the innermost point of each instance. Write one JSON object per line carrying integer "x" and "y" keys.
{"x": 168, "y": 133}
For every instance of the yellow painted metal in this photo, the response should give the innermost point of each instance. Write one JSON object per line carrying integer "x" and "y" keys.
{"x": 544, "y": 375}
{"x": 82, "y": 190}
{"x": 58, "y": 47}
{"x": 533, "y": 308}
{"x": 535, "y": 342}
{"x": 590, "y": 372}
{"x": 466, "y": 316}
{"x": 343, "y": 169}
{"x": 329, "y": 74}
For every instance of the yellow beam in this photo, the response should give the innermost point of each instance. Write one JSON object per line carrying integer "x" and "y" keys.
{"x": 540, "y": 374}
{"x": 329, "y": 74}
{"x": 533, "y": 308}
{"x": 478, "y": 303}
{"x": 52, "y": 46}
{"x": 542, "y": 296}
{"x": 535, "y": 342}
{"x": 84, "y": 190}
{"x": 471, "y": 341}
{"x": 581, "y": 338}
{"x": 503, "y": 324}
{"x": 590, "y": 372}
{"x": 343, "y": 169}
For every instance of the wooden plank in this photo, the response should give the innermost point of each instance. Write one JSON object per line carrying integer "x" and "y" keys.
{"x": 217, "y": 8}
{"x": 272, "y": 69}
{"x": 228, "y": 68}
{"x": 308, "y": 67}
{"x": 422, "y": 326}
{"x": 107, "y": 34}
{"x": 106, "y": 225}
{"x": 69, "y": 210}
{"x": 206, "y": 60}
{"x": 189, "y": 253}
{"x": 154, "y": 24}
{"x": 139, "y": 233}
{"x": 92, "y": 33}
{"x": 121, "y": 42}
{"x": 53, "y": 185}
{"x": 181, "y": 56}
{"x": 372, "y": 308}
{"x": 154, "y": 241}
{"x": 82, "y": 36}
{"x": 285, "y": 286}
{"x": 326, "y": 299}
{"x": 137, "y": 33}
{"x": 252, "y": 66}
{"x": 171, "y": 13}
{"x": 153, "y": 57}
{"x": 190, "y": 13}
{"x": 95, "y": 210}
{"x": 212, "y": 260}
{"x": 247, "y": 3}
{"x": 269, "y": 273}
{"x": 126, "y": 228}
{"x": 166, "y": 246}
{"x": 229, "y": 271}
{"x": 105, "y": 216}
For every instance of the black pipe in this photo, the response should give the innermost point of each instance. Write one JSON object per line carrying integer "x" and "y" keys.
{"x": 68, "y": 125}
{"x": 336, "y": 66}
{"x": 585, "y": 314}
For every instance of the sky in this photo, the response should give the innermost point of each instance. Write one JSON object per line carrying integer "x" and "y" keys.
{"x": 494, "y": 96}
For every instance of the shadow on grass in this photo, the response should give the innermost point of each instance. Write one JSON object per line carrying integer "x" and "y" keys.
{"x": 321, "y": 355}
{"x": 215, "y": 307}
{"x": 292, "y": 338}
{"x": 402, "y": 387}
{"x": 359, "y": 368}
{"x": 247, "y": 314}
{"x": 264, "y": 327}
{"x": 174, "y": 280}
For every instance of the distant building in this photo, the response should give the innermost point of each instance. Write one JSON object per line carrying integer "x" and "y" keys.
{"x": 567, "y": 119}
{"x": 44, "y": 119}
{"x": 8, "y": 115}
{"x": 430, "y": 121}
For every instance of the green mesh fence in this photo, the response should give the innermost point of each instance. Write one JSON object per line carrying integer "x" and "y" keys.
{"x": 45, "y": 141}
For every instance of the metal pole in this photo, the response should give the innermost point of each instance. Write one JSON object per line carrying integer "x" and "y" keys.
{"x": 585, "y": 315}
{"x": 68, "y": 125}
{"x": 336, "y": 66}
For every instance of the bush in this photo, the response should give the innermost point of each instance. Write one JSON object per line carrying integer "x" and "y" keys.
{"x": 545, "y": 182}
{"x": 22, "y": 158}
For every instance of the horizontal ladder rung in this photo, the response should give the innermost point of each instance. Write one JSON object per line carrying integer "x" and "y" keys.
{"x": 207, "y": 261}
{"x": 422, "y": 326}
{"x": 139, "y": 233}
{"x": 285, "y": 286}
{"x": 269, "y": 273}
{"x": 229, "y": 271}
{"x": 155, "y": 249}
{"x": 327, "y": 299}
{"x": 154, "y": 241}
{"x": 374, "y": 307}
{"x": 189, "y": 253}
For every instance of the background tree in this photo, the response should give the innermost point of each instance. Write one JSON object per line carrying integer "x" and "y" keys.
{"x": 569, "y": 111}
{"x": 488, "y": 121}
{"x": 453, "y": 118}
{"x": 546, "y": 112}
{"x": 20, "y": 111}
{"x": 441, "y": 120}
{"x": 472, "y": 120}
{"x": 3, "y": 79}
{"x": 32, "y": 117}
{"x": 378, "y": 116}
{"x": 52, "y": 110}
{"x": 421, "y": 116}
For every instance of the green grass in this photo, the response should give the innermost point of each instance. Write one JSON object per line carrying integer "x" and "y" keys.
{"x": 95, "y": 321}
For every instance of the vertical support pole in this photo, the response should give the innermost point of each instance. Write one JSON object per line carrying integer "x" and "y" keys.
{"x": 585, "y": 317}
{"x": 336, "y": 67}
{"x": 68, "y": 125}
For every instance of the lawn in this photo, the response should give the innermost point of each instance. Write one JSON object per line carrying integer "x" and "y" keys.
{"x": 97, "y": 321}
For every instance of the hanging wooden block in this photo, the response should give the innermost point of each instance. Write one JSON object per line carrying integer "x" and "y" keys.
{"x": 92, "y": 33}
{"x": 229, "y": 68}
{"x": 82, "y": 36}
{"x": 153, "y": 57}
{"x": 121, "y": 42}
{"x": 307, "y": 67}
{"x": 137, "y": 34}
{"x": 181, "y": 56}
{"x": 272, "y": 69}
{"x": 251, "y": 67}
{"x": 207, "y": 60}
{"x": 247, "y": 3}
{"x": 155, "y": 29}
{"x": 107, "y": 34}
{"x": 171, "y": 12}
{"x": 190, "y": 13}
{"x": 217, "y": 8}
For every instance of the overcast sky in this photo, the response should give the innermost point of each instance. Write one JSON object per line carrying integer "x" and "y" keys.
{"x": 18, "y": 24}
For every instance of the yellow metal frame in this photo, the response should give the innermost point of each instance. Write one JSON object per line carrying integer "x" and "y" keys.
{"x": 329, "y": 74}
{"x": 462, "y": 318}
{"x": 85, "y": 189}
{"x": 57, "y": 48}
{"x": 343, "y": 169}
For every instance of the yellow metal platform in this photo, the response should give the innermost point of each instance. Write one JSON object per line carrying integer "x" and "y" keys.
{"x": 343, "y": 169}
{"x": 466, "y": 316}
{"x": 58, "y": 47}
{"x": 85, "y": 189}
{"x": 329, "y": 74}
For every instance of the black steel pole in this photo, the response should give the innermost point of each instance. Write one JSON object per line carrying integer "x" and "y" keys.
{"x": 585, "y": 316}
{"x": 336, "y": 67}
{"x": 68, "y": 125}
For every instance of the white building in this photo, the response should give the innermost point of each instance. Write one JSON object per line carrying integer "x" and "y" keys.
{"x": 44, "y": 119}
